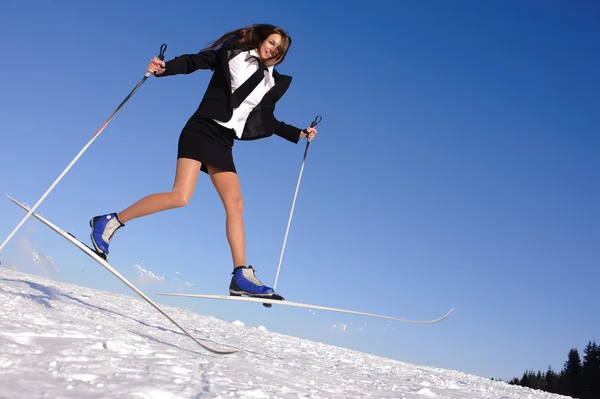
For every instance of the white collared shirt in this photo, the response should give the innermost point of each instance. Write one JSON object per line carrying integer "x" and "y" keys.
{"x": 241, "y": 67}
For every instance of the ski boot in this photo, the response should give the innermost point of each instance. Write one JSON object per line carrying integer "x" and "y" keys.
{"x": 104, "y": 228}
{"x": 245, "y": 282}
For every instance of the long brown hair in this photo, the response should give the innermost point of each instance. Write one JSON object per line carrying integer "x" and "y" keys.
{"x": 253, "y": 36}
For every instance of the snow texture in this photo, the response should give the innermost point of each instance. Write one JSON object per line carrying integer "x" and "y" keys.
{"x": 60, "y": 340}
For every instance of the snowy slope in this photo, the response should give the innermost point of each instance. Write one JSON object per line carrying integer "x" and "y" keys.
{"x": 64, "y": 341}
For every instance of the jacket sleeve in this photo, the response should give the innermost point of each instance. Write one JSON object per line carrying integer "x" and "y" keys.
{"x": 188, "y": 63}
{"x": 288, "y": 132}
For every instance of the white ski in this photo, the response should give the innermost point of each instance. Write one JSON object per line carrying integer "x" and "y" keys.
{"x": 88, "y": 251}
{"x": 301, "y": 305}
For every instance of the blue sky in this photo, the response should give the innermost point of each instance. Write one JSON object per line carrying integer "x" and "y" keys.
{"x": 456, "y": 166}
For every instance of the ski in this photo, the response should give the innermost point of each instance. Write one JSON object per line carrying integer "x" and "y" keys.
{"x": 92, "y": 254}
{"x": 300, "y": 305}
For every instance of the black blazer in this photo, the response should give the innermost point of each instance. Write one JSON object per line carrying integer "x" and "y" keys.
{"x": 215, "y": 104}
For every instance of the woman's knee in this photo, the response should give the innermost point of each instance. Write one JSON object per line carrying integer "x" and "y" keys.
{"x": 180, "y": 199}
{"x": 234, "y": 205}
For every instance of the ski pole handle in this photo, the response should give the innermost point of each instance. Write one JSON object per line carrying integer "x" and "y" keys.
{"x": 314, "y": 123}
{"x": 161, "y": 56}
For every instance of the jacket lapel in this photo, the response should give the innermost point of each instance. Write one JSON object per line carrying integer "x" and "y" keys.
{"x": 282, "y": 83}
{"x": 229, "y": 49}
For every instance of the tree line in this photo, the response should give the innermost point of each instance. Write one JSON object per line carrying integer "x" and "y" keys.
{"x": 578, "y": 378}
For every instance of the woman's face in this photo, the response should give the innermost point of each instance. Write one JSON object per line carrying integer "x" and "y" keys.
{"x": 268, "y": 48}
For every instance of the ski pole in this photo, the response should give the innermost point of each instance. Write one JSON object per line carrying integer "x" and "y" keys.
{"x": 313, "y": 124}
{"x": 161, "y": 56}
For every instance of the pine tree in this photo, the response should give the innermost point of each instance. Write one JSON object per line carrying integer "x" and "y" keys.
{"x": 525, "y": 379}
{"x": 551, "y": 380}
{"x": 515, "y": 381}
{"x": 561, "y": 384}
{"x": 540, "y": 380}
{"x": 573, "y": 383}
{"x": 591, "y": 371}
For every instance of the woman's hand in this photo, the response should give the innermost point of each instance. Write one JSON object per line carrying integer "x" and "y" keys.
{"x": 312, "y": 132}
{"x": 156, "y": 66}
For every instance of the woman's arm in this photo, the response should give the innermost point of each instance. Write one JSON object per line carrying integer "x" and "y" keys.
{"x": 282, "y": 129}
{"x": 292, "y": 133}
{"x": 186, "y": 63}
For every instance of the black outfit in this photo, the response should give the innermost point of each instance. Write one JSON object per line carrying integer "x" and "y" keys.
{"x": 209, "y": 142}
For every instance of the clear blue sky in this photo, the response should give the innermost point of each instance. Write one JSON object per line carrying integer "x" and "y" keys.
{"x": 457, "y": 165}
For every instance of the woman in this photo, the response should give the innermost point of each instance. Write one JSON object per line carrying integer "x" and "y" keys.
{"x": 238, "y": 104}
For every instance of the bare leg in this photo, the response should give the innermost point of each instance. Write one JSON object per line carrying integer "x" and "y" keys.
{"x": 183, "y": 188}
{"x": 227, "y": 185}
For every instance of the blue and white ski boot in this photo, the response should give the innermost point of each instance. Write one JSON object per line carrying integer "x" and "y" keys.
{"x": 104, "y": 228}
{"x": 245, "y": 282}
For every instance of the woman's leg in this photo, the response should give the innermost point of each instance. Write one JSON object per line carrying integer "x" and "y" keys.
{"x": 227, "y": 185}
{"x": 104, "y": 227}
{"x": 183, "y": 188}
{"x": 244, "y": 280}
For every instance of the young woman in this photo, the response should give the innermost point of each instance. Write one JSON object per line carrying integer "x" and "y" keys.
{"x": 237, "y": 105}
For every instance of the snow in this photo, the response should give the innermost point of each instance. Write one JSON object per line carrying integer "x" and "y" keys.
{"x": 68, "y": 341}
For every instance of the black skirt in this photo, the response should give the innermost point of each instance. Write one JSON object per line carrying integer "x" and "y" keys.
{"x": 208, "y": 142}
